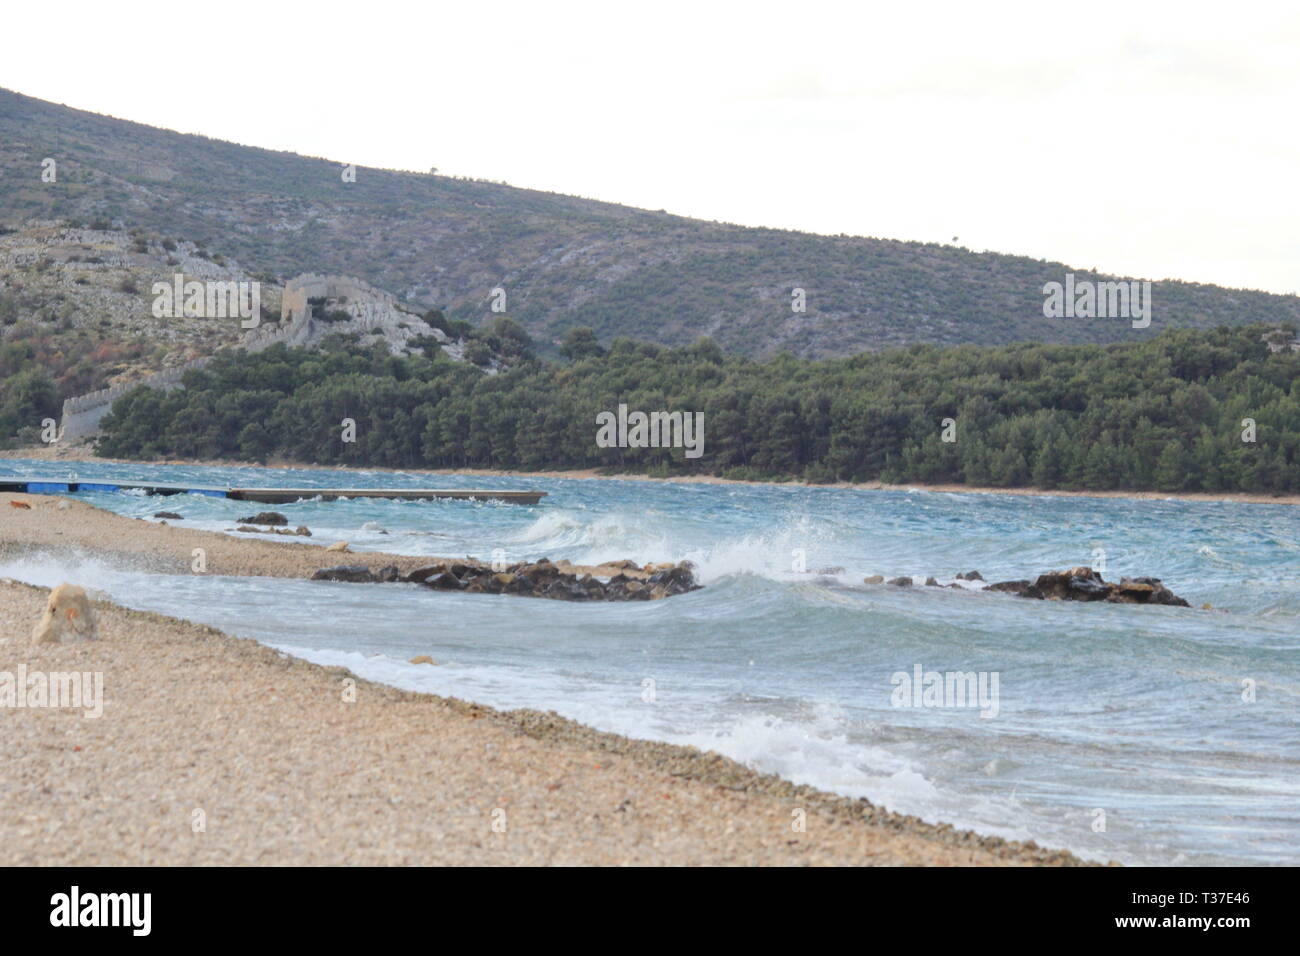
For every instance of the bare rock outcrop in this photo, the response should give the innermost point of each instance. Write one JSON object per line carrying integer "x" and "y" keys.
{"x": 529, "y": 579}
{"x": 1085, "y": 584}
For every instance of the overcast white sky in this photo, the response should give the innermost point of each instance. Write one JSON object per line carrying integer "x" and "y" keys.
{"x": 1150, "y": 139}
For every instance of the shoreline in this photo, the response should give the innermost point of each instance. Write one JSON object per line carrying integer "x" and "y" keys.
{"x": 286, "y": 772}
{"x": 84, "y": 454}
{"x": 55, "y": 525}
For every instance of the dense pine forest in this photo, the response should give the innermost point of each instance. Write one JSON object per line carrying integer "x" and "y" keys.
{"x": 1167, "y": 414}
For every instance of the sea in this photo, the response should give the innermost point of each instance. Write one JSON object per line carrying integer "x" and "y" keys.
{"x": 1140, "y": 734}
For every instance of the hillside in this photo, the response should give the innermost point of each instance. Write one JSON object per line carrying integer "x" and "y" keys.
{"x": 77, "y": 317}
{"x": 78, "y": 290}
{"x": 440, "y": 242}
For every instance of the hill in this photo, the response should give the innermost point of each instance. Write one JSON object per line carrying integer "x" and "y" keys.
{"x": 446, "y": 243}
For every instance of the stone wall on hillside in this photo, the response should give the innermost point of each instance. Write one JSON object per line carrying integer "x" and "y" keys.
{"x": 82, "y": 414}
{"x": 373, "y": 313}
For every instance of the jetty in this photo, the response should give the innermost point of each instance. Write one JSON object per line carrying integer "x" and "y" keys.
{"x": 271, "y": 496}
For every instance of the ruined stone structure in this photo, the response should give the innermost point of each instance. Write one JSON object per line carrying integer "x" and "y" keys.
{"x": 371, "y": 312}
{"x": 82, "y": 415}
{"x": 344, "y": 290}
{"x": 1280, "y": 340}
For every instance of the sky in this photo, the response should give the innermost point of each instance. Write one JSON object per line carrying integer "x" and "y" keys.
{"x": 1157, "y": 140}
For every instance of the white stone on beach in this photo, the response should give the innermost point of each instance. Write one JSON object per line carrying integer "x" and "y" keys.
{"x": 68, "y": 617}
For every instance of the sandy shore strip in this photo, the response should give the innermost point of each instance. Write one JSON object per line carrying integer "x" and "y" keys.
{"x": 83, "y": 452}
{"x": 65, "y": 527}
{"x": 212, "y": 749}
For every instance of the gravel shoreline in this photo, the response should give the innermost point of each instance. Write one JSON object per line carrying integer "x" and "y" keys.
{"x": 66, "y": 526}
{"x": 286, "y": 771}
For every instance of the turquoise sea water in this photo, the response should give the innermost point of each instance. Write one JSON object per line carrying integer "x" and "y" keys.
{"x": 1131, "y": 717}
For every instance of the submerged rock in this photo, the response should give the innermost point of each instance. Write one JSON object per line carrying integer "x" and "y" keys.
{"x": 900, "y": 582}
{"x": 169, "y": 515}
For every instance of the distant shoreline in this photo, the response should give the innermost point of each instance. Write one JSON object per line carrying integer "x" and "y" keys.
{"x": 82, "y": 453}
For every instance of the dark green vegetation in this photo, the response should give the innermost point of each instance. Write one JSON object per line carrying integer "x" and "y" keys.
{"x": 1164, "y": 414}
{"x": 440, "y": 242}
{"x": 39, "y": 368}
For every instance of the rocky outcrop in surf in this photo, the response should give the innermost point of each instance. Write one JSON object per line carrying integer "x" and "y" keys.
{"x": 531, "y": 579}
{"x": 1085, "y": 584}
{"x": 1073, "y": 584}
{"x": 265, "y": 517}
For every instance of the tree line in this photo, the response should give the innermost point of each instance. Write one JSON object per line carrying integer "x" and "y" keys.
{"x": 1189, "y": 410}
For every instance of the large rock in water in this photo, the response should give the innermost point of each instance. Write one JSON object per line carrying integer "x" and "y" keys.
{"x": 1076, "y": 584}
{"x": 1085, "y": 584}
{"x": 444, "y": 581}
{"x": 544, "y": 579}
{"x": 265, "y": 517}
{"x": 538, "y": 579}
{"x": 1015, "y": 587}
{"x": 1144, "y": 591}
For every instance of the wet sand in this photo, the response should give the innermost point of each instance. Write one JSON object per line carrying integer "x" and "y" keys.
{"x": 281, "y": 768}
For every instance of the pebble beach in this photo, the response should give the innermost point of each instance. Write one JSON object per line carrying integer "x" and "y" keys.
{"x": 218, "y": 750}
